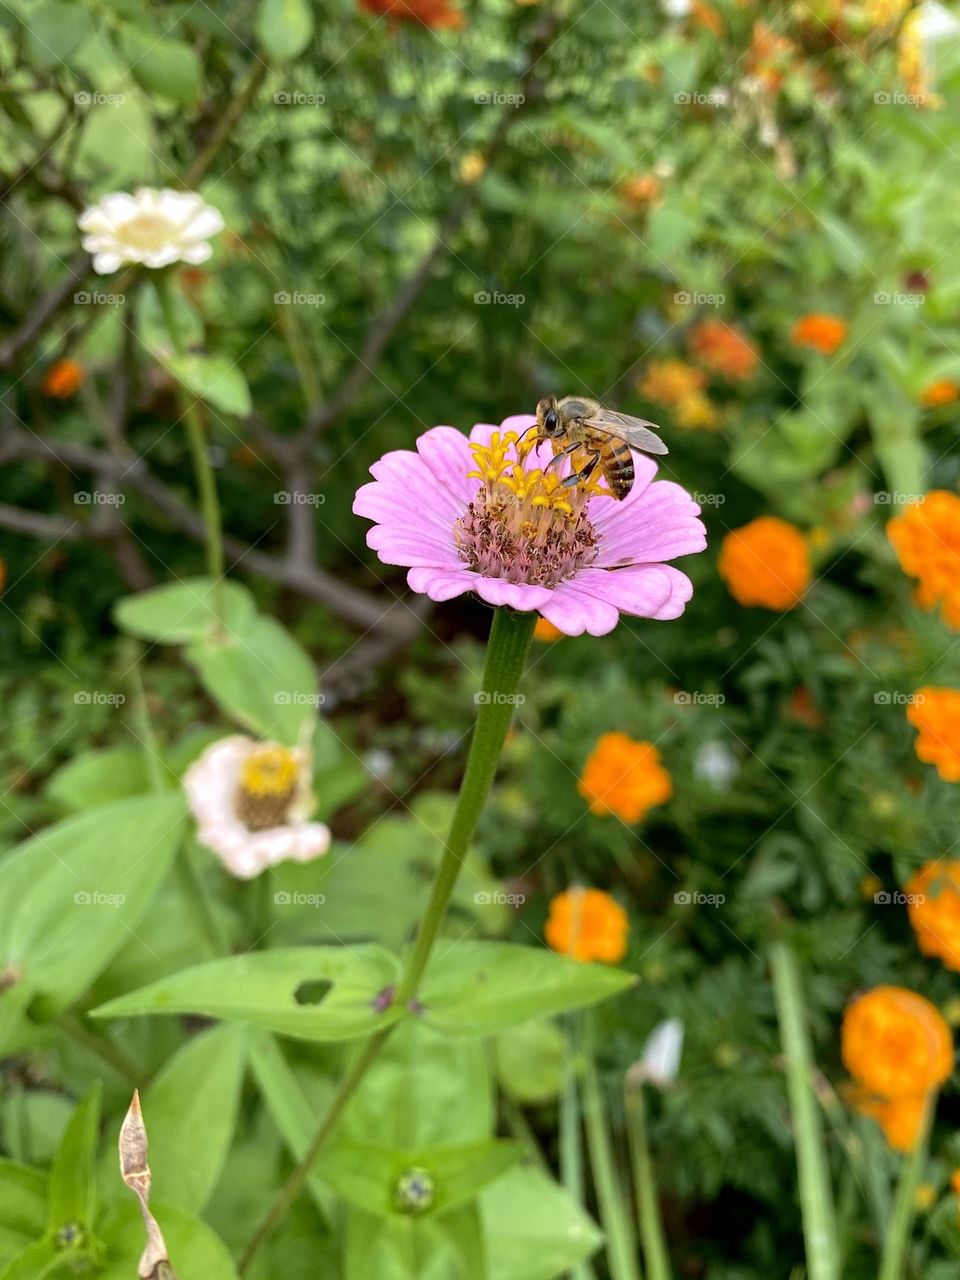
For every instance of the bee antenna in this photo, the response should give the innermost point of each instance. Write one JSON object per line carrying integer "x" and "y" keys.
{"x": 532, "y": 427}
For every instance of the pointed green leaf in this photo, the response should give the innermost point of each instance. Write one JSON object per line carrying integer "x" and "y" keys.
{"x": 449, "y": 1247}
{"x": 98, "y": 777}
{"x": 313, "y": 993}
{"x": 212, "y": 378}
{"x": 167, "y": 67}
{"x": 73, "y": 894}
{"x": 23, "y": 1207}
{"x": 182, "y": 611}
{"x": 73, "y": 1181}
{"x": 475, "y": 988}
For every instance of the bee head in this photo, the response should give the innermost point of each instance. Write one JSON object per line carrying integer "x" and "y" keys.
{"x": 548, "y": 420}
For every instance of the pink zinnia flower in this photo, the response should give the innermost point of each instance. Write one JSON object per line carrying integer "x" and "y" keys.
{"x": 480, "y": 515}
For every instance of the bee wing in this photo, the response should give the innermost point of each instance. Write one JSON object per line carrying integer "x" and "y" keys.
{"x": 635, "y": 431}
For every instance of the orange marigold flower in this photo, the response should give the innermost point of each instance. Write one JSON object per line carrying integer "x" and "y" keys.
{"x": 935, "y": 714}
{"x": 624, "y": 777}
{"x": 670, "y": 382}
{"x": 724, "y": 349}
{"x": 641, "y": 191}
{"x": 933, "y": 905}
{"x": 765, "y": 563}
{"x": 926, "y": 539}
{"x": 62, "y": 379}
{"x": 587, "y": 924}
{"x": 546, "y": 631}
{"x": 436, "y": 14}
{"x": 769, "y": 56}
{"x": 899, "y": 1118}
{"x": 822, "y": 332}
{"x": 935, "y": 394}
{"x": 955, "y": 1182}
{"x": 895, "y": 1043}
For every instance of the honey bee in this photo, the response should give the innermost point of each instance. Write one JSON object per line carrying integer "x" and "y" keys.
{"x": 577, "y": 425}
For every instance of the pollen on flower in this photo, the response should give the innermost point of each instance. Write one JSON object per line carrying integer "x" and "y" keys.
{"x": 267, "y": 785}
{"x": 525, "y": 525}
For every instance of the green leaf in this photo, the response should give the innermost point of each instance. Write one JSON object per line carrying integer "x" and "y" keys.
{"x": 72, "y": 895}
{"x": 312, "y": 993}
{"x": 37, "y": 1261}
{"x": 262, "y": 677}
{"x": 449, "y": 1247}
{"x": 73, "y": 1182}
{"x": 369, "y": 1176}
{"x": 475, "y": 988}
{"x": 183, "y": 611}
{"x": 23, "y": 1207}
{"x": 292, "y": 1113}
{"x": 196, "y": 1253}
{"x": 533, "y": 1228}
{"x": 98, "y": 777}
{"x": 55, "y": 30}
{"x": 531, "y": 1061}
{"x": 284, "y": 27}
{"x": 164, "y": 66}
{"x": 191, "y": 1111}
{"x": 213, "y": 378}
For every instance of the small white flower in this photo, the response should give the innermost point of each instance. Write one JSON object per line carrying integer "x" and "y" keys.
{"x": 715, "y": 763}
{"x": 252, "y": 801}
{"x": 676, "y": 8}
{"x": 661, "y": 1055}
{"x": 151, "y": 227}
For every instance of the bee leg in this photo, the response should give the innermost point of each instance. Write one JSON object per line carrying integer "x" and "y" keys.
{"x": 564, "y": 453}
{"x": 584, "y": 475}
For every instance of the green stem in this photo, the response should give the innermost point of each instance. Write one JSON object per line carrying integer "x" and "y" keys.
{"x": 571, "y": 1134}
{"x": 621, "y": 1247}
{"x": 507, "y": 649}
{"x": 196, "y": 439}
{"x": 905, "y": 1205}
{"x": 819, "y": 1226}
{"x": 652, "y": 1234}
{"x": 198, "y": 901}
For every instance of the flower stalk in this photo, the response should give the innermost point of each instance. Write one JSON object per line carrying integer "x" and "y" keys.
{"x": 507, "y": 649}
{"x": 905, "y": 1205}
{"x": 652, "y": 1235}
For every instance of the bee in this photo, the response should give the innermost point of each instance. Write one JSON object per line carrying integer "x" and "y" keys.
{"x": 577, "y": 425}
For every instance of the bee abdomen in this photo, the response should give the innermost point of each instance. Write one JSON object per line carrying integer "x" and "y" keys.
{"x": 619, "y": 471}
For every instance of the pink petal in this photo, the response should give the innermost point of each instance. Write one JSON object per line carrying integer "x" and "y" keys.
{"x": 518, "y": 595}
{"x": 405, "y": 484}
{"x": 645, "y": 591}
{"x": 447, "y": 454}
{"x": 388, "y": 503}
{"x": 440, "y": 584}
{"x": 573, "y": 611}
{"x": 659, "y": 525}
{"x": 412, "y": 546}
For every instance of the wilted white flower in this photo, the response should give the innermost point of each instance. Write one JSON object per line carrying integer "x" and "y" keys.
{"x": 151, "y": 227}
{"x": 660, "y": 1062}
{"x": 252, "y": 801}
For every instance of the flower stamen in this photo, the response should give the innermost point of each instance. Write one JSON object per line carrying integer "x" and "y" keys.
{"x": 268, "y": 784}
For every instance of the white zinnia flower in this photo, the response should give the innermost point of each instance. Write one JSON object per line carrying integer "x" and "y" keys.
{"x": 660, "y": 1062}
{"x": 252, "y": 801}
{"x": 151, "y": 227}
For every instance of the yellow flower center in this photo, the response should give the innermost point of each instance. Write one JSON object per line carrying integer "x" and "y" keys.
{"x": 525, "y": 524}
{"x": 146, "y": 231}
{"x": 268, "y": 783}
